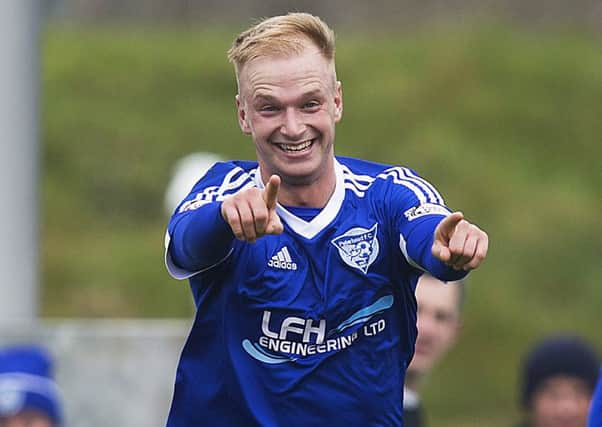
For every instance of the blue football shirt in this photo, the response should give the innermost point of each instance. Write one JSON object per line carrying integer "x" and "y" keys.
{"x": 314, "y": 326}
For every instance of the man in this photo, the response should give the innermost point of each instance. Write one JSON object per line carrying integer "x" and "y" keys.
{"x": 438, "y": 324}
{"x": 303, "y": 265}
{"x": 29, "y": 396}
{"x": 558, "y": 379}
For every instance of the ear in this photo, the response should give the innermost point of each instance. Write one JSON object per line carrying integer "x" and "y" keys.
{"x": 338, "y": 102}
{"x": 243, "y": 120}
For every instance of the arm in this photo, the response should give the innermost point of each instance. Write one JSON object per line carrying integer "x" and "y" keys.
{"x": 200, "y": 239}
{"x": 431, "y": 237}
{"x": 201, "y": 234}
{"x": 448, "y": 247}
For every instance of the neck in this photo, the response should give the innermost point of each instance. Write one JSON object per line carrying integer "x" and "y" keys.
{"x": 312, "y": 195}
{"x": 312, "y": 192}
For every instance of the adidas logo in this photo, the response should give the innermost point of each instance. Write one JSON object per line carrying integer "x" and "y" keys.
{"x": 282, "y": 260}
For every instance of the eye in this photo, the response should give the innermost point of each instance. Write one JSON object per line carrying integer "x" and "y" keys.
{"x": 268, "y": 108}
{"x": 443, "y": 316}
{"x": 311, "y": 105}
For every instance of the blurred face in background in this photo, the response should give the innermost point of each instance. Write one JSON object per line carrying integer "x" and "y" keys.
{"x": 561, "y": 401}
{"x": 438, "y": 322}
{"x": 26, "y": 419}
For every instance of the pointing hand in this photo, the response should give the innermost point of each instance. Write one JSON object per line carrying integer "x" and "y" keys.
{"x": 460, "y": 244}
{"x": 251, "y": 213}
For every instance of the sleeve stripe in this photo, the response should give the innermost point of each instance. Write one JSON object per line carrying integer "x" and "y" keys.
{"x": 418, "y": 192}
{"x": 228, "y": 186}
{"x": 431, "y": 189}
{"x": 403, "y": 174}
{"x": 355, "y": 177}
{"x": 351, "y": 187}
{"x": 421, "y": 188}
{"x": 356, "y": 182}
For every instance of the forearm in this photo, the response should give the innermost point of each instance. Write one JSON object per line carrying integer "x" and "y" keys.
{"x": 200, "y": 239}
{"x": 419, "y": 248}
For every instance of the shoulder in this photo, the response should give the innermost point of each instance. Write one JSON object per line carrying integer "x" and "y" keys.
{"x": 359, "y": 176}
{"x": 363, "y": 167}
{"x": 228, "y": 169}
{"x": 227, "y": 174}
{"x": 400, "y": 181}
{"x": 221, "y": 180}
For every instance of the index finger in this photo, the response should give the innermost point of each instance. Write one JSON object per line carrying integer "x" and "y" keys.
{"x": 270, "y": 193}
{"x": 449, "y": 223}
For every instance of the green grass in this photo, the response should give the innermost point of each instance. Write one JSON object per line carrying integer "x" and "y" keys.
{"x": 506, "y": 124}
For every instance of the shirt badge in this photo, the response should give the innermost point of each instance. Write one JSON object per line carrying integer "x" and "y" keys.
{"x": 358, "y": 247}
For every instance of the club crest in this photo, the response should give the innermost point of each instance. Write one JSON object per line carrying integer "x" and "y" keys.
{"x": 358, "y": 247}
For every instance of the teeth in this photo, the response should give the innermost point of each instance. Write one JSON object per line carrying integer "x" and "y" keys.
{"x": 295, "y": 148}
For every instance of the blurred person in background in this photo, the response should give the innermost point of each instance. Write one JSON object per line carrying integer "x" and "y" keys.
{"x": 439, "y": 308}
{"x": 595, "y": 414}
{"x": 558, "y": 379}
{"x": 186, "y": 172}
{"x": 29, "y": 396}
{"x": 303, "y": 265}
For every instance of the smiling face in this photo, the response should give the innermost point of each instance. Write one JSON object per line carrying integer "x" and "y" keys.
{"x": 289, "y": 105}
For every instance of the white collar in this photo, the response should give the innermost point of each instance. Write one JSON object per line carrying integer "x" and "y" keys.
{"x": 411, "y": 399}
{"x": 310, "y": 229}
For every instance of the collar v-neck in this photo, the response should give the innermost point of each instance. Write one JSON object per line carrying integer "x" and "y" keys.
{"x": 309, "y": 229}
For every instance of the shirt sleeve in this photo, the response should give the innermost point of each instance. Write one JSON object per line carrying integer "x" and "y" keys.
{"x": 197, "y": 242}
{"x": 418, "y": 209}
{"x": 197, "y": 237}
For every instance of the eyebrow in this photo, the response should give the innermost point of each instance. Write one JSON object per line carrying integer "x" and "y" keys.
{"x": 311, "y": 93}
{"x": 272, "y": 99}
{"x": 261, "y": 97}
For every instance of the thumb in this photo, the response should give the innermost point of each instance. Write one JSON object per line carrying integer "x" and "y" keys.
{"x": 274, "y": 225}
{"x": 270, "y": 192}
{"x": 446, "y": 227}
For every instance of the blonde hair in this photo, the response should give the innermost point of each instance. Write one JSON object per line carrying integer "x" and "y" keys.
{"x": 282, "y": 36}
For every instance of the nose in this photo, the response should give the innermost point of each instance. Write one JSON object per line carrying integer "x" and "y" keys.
{"x": 293, "y": 126}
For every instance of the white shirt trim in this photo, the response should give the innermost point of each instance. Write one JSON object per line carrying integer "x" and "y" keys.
{"x": 411, "y": 399}
{"x": 310, "y": 229}
{"x": 404, "y": 251}
{"x": 179, "y": 273}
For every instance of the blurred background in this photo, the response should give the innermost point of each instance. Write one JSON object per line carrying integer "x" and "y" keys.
{"x": 498, "y": 103}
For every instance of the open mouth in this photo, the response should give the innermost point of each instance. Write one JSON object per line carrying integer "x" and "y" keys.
{"x": 296, "y": 148}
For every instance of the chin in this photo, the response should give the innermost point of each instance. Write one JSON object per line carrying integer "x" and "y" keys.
{"x": 302, "y": 174}
{"x": 419, "y": 366}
